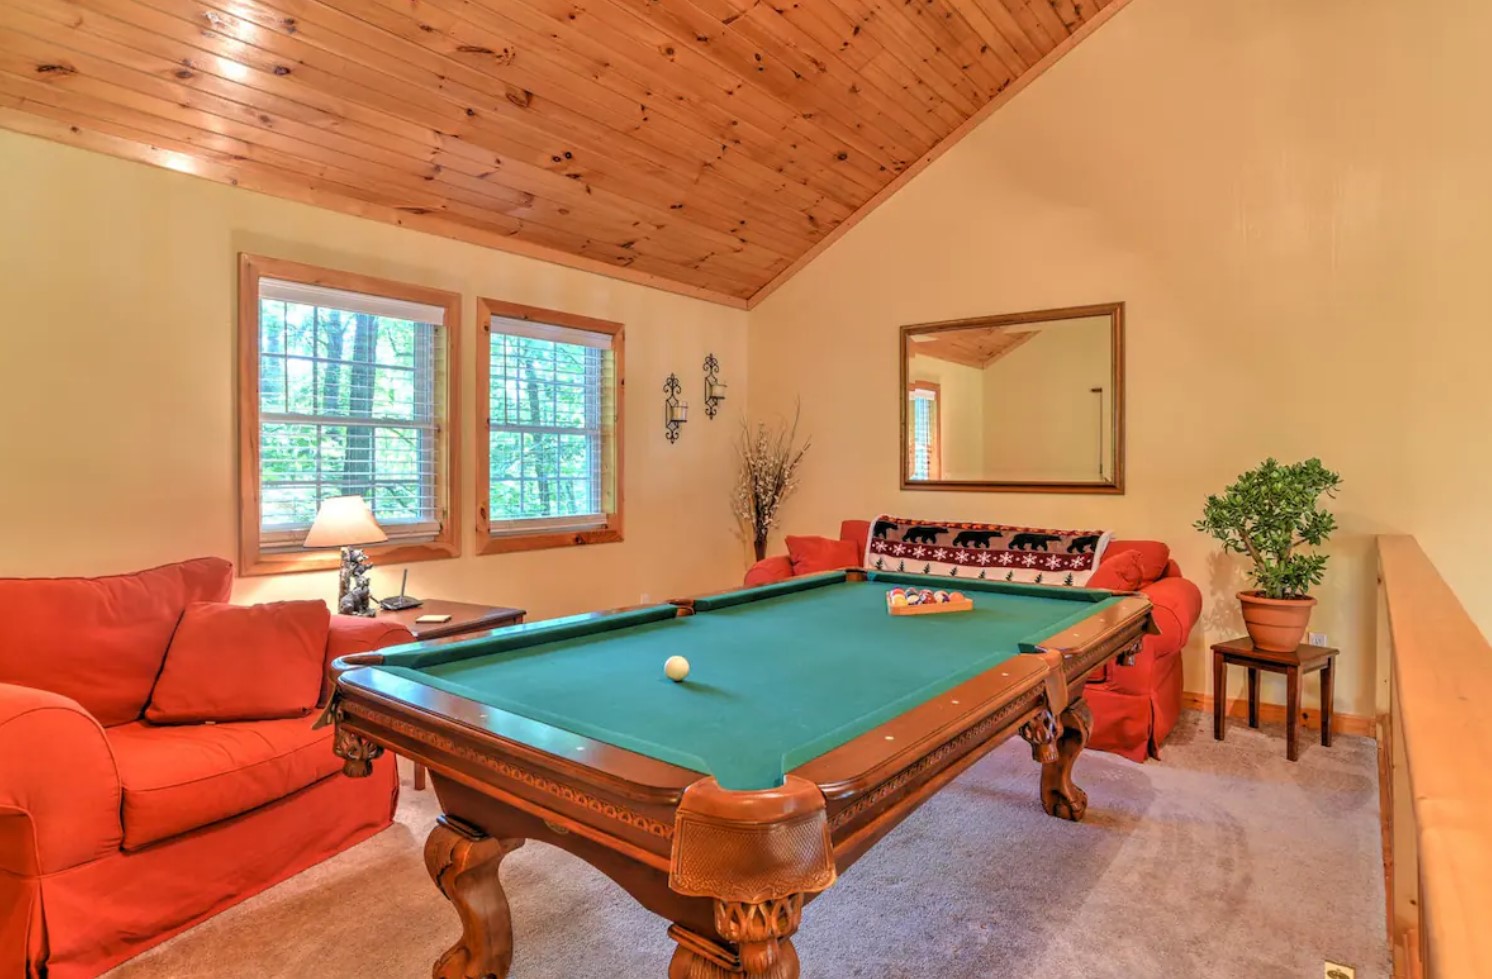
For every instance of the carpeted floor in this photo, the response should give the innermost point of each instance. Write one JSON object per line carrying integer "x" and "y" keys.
{"x": 1224, "y": 860}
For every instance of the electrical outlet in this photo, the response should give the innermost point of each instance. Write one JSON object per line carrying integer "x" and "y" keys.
{"x": 1317, "y": 639}
{"x": 645, "y": 599}
{"x": 1335, "y": 971}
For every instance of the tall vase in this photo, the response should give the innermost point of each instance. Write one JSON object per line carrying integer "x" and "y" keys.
{"x": 761, "y": 547}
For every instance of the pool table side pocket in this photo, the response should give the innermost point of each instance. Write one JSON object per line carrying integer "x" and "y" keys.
{"x": 864, "y": 810}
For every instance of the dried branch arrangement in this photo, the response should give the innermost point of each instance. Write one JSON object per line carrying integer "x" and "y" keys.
{"x": 769, "y": 460}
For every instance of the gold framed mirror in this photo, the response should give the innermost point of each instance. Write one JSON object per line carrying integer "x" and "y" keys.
{"x": 1018, "y": 403}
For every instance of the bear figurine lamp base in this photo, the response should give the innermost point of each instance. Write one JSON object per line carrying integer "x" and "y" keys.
{"x": 347, "y": 522}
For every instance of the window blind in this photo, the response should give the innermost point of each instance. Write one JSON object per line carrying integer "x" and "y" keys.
{"x": 551, "y": 427}
{"x": 347, "y": 405}
{"x": 923, "y": 451}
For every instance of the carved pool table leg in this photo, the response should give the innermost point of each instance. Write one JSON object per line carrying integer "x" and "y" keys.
{"x": 1057, "y": 747}
{"x": 757, "y": 943}
{"x": 464, "y": 862}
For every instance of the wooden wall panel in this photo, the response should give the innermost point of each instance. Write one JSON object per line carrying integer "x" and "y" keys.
{"x": 710, "y": 147}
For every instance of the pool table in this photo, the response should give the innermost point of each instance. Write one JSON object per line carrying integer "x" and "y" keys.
{"x": 812, "y": 722}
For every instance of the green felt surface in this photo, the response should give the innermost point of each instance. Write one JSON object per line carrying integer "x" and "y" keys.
{"x": 778, "y": 676}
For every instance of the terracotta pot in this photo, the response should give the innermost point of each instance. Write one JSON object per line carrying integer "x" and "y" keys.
{"x": 1276, "y": 625}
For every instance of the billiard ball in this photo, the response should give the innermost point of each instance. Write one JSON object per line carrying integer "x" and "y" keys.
{"x": 676, "y": 668}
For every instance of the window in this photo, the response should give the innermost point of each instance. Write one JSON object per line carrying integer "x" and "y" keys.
{"x": 345, "y": 390}
{"x": 549, "y": 467}
{"x": 924, "y": 453}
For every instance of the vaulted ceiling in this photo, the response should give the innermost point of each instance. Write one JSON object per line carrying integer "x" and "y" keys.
{"x": 711, "y": 147}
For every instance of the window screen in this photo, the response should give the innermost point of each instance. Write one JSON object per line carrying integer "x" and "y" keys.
{"x": 347, "y": 405}
{"x": 552, "y": 422}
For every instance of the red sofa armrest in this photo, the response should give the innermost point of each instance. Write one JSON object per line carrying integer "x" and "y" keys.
{"x": 779, "y": 567}
{"x": 856, "y": 531}
{"x": 357, "y": 634}
{"x": 59, "y": 786}
{"x": 1177, "y": 603}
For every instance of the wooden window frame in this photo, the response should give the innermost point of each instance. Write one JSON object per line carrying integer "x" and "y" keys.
{"x": 935, "y": 445}
{"x": 253, "y": 559}
{"x": 611, "y": 532}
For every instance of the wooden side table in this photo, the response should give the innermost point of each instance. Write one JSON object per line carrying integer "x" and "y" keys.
{"x": 465, "y": 620}
{"x": 1294, "y": 665}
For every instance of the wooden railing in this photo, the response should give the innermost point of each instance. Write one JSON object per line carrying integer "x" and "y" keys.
{"x": 1438, "y": 790}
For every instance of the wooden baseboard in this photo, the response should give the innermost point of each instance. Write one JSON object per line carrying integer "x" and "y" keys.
{"x": 1275, "y": 714}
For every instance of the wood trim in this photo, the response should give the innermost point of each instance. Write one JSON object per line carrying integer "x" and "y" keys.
{"x": 947, "y": 143}
{"x": 611, "y": 533}
{"x": 1114, "y": 487}
{"x": 252, "y": 559}
{"x": 1386, "y": 814}
{"x": 1441, "y": 665}
{"x": 1354, "y": 724}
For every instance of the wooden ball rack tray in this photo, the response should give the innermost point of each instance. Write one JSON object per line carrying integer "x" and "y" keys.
{"x": 965, "y": 604}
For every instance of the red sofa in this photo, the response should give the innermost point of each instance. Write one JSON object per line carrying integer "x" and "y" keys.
{"x": 1134, "y": 707}
{"x": 115, "y": 834}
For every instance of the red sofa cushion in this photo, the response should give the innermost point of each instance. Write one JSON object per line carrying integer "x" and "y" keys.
{"x": 242, "y": 663}
{"x": 812, "y": 555}
{"x": 1154, "y": 556}
{"x": 1122, "y": 572}
{"x": 100, "y": 641}
{"x": 180, "y": 777}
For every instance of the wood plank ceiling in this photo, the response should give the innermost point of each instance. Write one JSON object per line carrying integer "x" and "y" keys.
{"x": 710, "y": 147}
{"x": 977, "y": 347}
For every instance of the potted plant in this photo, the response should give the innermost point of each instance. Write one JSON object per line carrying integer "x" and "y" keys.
{"x": 1269, "y": 514}
{"x": 767, "y": 475}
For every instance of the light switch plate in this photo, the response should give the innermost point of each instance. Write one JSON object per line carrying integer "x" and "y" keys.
{"x": 1335, "y": 971}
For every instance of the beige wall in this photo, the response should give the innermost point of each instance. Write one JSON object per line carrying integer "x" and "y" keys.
{"x": 1042, "y": 420}
{"x": 1292, "y": 199}
{"x": 117, "y": 285}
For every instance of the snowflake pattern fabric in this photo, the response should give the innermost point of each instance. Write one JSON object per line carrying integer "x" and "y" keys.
{"x": 999, "y": 552}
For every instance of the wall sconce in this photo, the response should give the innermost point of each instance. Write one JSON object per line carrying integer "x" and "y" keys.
{"x": 675, "y": 412}
{"x": 714, "y": 390}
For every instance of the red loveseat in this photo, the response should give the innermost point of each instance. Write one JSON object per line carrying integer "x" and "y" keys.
{"x": 1134, "y": 707}
{"x": 115, "y": 834}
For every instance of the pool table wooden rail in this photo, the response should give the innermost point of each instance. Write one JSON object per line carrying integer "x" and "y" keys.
{"x": 503, "y": 778}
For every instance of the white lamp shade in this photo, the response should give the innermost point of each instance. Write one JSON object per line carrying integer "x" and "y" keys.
{"x": 343, "y": 521}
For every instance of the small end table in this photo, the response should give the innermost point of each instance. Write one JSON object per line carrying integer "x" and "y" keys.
{"x": 465, "y": 619}
{"x": 1294, "y": 665}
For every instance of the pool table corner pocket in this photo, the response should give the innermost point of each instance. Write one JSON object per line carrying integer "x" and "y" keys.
{"x": 756, "y": 855}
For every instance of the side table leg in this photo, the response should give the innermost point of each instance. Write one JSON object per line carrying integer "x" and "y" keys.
{"x": 1328, "y": 700}
{"x": 419, "y": 777}
{"x": 1219, "y": 693}
{"x": 1253, "y": 697}
{"x": 1292, "y": 718}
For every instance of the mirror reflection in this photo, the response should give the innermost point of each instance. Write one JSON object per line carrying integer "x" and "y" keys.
{"x": 1030, "y": 401}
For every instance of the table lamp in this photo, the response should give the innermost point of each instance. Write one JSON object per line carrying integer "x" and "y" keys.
{"x": 345, "y": 522}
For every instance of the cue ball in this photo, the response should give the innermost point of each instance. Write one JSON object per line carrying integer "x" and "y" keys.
{"x": 676, "y": 668}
